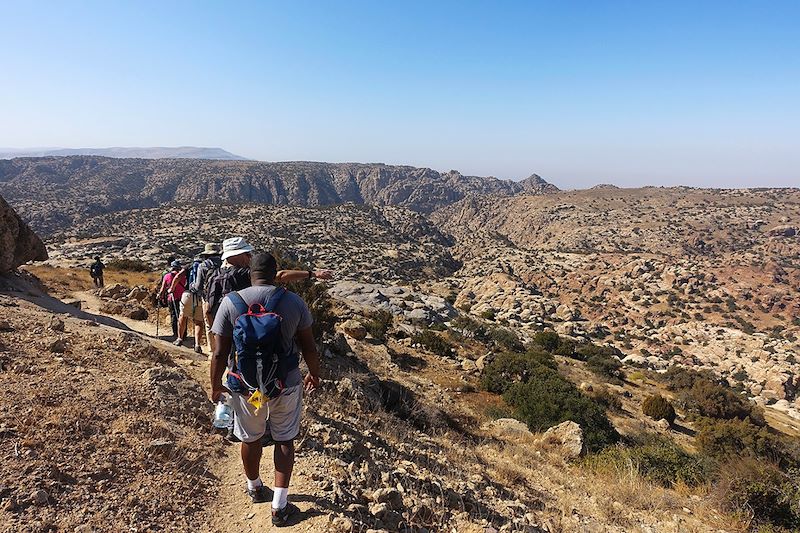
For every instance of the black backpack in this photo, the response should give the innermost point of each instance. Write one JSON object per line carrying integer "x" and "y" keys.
{"x": 95, "y": 270}
{"x": 222, "y": 281}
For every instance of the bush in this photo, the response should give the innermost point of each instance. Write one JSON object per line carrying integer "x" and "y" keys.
{"x": 717, "y": 401}
{"x": 661, "y": 461}
{"x": 769, "y": 496}
{"x": 468, "y": 327}
{"x": 433, "y": 342}
{"x": 548, "y": 340}
{"x": 723, "y": 439}
{"x": 489, "y": 314}
{"x": 547, "y": 399}
{"x": 506, "y": 339}
{"x": 605, "y": 366}
{"x": 511, "y": 367}
{"x": 607, "y": 399}
{"x": 657, "y": 407}
{"x": 130, "y": 265}
{"x": 378, "y": 324}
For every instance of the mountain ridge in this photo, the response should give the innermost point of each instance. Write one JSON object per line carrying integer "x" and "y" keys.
{"x": 50, "y": 192}
{"x": 151, "y": 152}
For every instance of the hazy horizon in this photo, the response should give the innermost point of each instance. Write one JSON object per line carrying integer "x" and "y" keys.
{"x": 629, "y": 94}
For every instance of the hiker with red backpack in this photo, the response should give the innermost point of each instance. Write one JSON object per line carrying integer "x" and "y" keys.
{"x": 266, "y": 325}
{"x": 173, "y": 292}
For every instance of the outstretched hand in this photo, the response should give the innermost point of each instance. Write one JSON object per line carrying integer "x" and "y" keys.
{"x": 323, "y": 274}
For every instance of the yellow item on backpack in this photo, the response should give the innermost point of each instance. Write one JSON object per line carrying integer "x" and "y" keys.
{"x": 257, "y": 399}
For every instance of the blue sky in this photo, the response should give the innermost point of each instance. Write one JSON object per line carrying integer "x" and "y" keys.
{"x": 700, "y": 93}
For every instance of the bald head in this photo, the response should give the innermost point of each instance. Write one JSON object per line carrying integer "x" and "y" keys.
{"x": 263, "y": 268}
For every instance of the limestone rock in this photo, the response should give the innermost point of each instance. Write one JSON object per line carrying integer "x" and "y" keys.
{"x": 354, "y": 329}
{"x": 509, "y": 427}
{"x": 568, "y": 436}
{"x": 18, "y": 243}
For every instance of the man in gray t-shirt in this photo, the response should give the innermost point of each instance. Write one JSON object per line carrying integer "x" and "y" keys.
{"x": 284, "y": 411}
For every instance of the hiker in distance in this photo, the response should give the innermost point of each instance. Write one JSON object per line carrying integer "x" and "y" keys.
{"x": 252, "y": 375}
{"x": 96, "y": 271}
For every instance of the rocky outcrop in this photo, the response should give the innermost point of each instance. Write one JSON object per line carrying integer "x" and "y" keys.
{"x": 18, "y": 243}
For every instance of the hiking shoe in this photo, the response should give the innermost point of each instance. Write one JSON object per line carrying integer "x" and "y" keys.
{"x": 280, "y": 517}
{"x": 198, "y": 349}
{"x": 178, "y": 342}
{"x": 259, "y": 494}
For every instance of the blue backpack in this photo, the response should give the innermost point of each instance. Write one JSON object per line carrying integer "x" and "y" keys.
{"x": 258, "y": 362}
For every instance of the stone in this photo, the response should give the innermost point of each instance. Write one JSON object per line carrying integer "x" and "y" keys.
{"x": 390, "y": 496}
{"x": 480, "y": 364}
{"x": 568, "y": 436}
{"x": 587, "y": 387}
{"x": 73, "y": 303}
{"x": 5, "y": 325}
{"x": 56, "y": 324}
{"x": 18, "y": 242}
{"x": 136, "y": 313}
{"x": 58, "y": 346}
{"x": 467, "y": 365}
{"x": 663, "y": 424}
{"x": 354, "y": 329}
{"x": 342, "y": 524}
{"x": 40, "y": 497}
{"x": 138, "y": 294}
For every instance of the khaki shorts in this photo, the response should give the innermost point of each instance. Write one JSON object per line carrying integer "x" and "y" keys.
{"x": 186, "y": 307}
{"x": 283, "y": 413}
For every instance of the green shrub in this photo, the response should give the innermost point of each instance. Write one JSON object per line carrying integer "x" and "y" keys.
{"x": 657, "y": 407}
{"x": 512, "y": 367}
{"x": 723, "y": 439}
{"x": 547, "y": 399}
{"x": 761, "y": 490}
{"x": 606, "y": 398}
{"x": 489, "y": 314}
{"x": 661, "y": 461}
{"x": 433, "y": 342}
{"x": 548, "y": 340}
{"x": 130, "y": 265}
{"x": 605, "y": 366}
{"x": 505, "y": 339}
{"x": 717, "y": 401}
{"x": 378, "y": 324}
{"x": 468, "y": 327}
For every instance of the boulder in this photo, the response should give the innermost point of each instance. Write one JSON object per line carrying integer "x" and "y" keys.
{"x": 568, "y": 436}
{"x": 18, "y": 243}
{"x": 115, "y": 291}
{"x": 354, "y": 329}
{"x": 779, "y": 386}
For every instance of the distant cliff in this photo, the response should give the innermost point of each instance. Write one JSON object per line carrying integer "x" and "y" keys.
{"x": 51, "y": 192}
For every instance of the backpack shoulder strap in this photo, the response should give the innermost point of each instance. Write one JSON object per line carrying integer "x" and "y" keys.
{"x": 238, "y": 302}
{"x": 274, "y": 299}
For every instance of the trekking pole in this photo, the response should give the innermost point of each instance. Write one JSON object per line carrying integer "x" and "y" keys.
{"x": 158, "y": 312}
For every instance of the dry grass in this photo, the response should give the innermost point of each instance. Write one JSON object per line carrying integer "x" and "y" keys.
{"x": 66, "y": 280}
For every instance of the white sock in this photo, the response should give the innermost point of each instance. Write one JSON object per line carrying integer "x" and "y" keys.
{"x": 279, "y": 498}
{"x": 254, "y": 483}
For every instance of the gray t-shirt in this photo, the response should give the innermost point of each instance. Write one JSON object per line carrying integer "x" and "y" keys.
{"x": 292, "y": 309}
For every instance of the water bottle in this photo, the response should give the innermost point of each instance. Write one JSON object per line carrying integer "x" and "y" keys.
{"x": 223, "y": 414}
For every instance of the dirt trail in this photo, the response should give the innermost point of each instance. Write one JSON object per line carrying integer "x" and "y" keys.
{"x": 233, "y": 512}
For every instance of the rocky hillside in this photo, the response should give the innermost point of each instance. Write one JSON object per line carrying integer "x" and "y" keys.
{"x": 55, "y": 192}
{"x": 18, "y": 244}
{"x": 360, "y": 242}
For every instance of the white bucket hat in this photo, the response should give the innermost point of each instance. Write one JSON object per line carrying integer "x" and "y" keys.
{"x": 235, "y": 246}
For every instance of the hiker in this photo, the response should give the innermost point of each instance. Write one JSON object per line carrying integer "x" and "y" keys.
{"x": 210, "y": 261}
{"x": 161, "y": 298}
{"x": 96, "y": 271}
{"x": 284, "y": 410}
{"x": 173, "y": 294}
{"x": 190, "y": 307}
